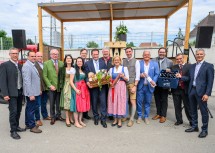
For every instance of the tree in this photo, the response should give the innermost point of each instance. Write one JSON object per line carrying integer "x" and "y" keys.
{"x": 30, "y": 42}
{"x": 3, "y": 33}
{"x": 92, "y": 44}
{"x": 131, "y": 44}
{"x": 7, "y": 42}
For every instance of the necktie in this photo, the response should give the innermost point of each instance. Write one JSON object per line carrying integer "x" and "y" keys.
{"x": 56, "y": 66}
{"x": 181, "y": 83}
{"x": 97, "y": 66}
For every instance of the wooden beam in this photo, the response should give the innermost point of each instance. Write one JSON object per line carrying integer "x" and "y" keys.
{"x": 111, "y": 12}
{"x": 187, "y": 31}
{"x": 166, "y": 32}
{"x": 40, "y": 29}
{"x": 117, "y": 9}
{"x": 110, "y": 34}
{"x": 178, "y": 8}
{"x": 52, "y": 14}
{"x": 62, "y": 41}
{"x": 119, "y": 18}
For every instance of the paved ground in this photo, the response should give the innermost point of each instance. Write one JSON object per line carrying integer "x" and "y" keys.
{"x": 141, "y": 138}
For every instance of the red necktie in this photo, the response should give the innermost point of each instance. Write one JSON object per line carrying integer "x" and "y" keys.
{"x": 181, "y": 83}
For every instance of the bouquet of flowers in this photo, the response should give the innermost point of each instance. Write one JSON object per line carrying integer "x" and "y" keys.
{"x": 99, "y": 79}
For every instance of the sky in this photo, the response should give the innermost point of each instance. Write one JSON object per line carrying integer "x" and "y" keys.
{"x": 22, "y": 14}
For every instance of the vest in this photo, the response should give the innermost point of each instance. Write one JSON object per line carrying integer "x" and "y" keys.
{"x": 131, "y": 69}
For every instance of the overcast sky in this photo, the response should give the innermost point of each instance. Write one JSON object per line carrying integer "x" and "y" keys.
{"x": 22, "y": 14}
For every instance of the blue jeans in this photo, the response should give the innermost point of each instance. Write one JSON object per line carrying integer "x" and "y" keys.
{"x": 144, "y": 96}
{"x": 42, "y": 106}
{"x": 30, "y": 108}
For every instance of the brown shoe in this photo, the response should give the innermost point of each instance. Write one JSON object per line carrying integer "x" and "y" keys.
{"x": 156, "y": 117}
{"x": 52, "y": 121}
{"x": 36, "y": 130}
{"x": 130, "y": 123}
{"x": 39, "y": 123}
{"x": 162, "y": 119}
{"x": 47, "y": 118}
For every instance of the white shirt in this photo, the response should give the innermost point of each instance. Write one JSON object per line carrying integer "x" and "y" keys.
{"x": 146, "y": 70}
{"x": 119, "y": 70}
{"x": 197, "y": 68}
{"x": 96, "y": 65}
{"x": 40, "y": 64}
{"x": 71, "y": 71}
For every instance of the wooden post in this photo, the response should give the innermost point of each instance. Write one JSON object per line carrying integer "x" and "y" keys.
{"x": 187, "y": 31}
{"x": 111, "y": 31}
{"x": 40, "y": 23}
{"x": 165, "y": 32}
{"x": 62, "y": 41}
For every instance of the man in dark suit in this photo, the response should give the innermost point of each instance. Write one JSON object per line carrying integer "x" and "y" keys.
{"x": 11, "y": 89}
{"x": 97, "y": 95}
{"x": 180, "y": 94}
{"x": 200, "y": 88}
{"x": 43, "y": 98}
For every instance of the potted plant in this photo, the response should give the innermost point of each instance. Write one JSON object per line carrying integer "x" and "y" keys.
{"x": 121, "y": 32}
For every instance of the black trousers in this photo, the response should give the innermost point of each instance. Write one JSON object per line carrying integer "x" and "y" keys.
{"x": 15, "y": 108}
{"x": 161, "y": 100}
{"x": 54, "y": 98}
{"x": 179, "y": 96}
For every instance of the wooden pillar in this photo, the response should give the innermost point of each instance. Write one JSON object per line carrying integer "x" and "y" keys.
{"x": 166, "y": 32}
{"x": 40, "y": 23}
{"x": 111, "y": 31}
{"x": 62, "y": 41}
{"x": 187, "y": 30}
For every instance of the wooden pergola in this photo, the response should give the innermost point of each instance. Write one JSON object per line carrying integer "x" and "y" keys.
{"x": 109, "y": 10}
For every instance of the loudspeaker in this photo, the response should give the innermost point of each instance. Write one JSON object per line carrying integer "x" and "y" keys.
{"x": 19, "y": 38}
{"x": 204, "y": 37}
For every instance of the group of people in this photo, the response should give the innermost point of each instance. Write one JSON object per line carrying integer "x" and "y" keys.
{"x": 133, "y": 82}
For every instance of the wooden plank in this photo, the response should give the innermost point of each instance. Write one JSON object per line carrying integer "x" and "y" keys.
{"x": 40, "y": 29}
{"x": 52, "y": 14}
{"x": 111, "y": 12}
{"x": 178, "y": 8}
{"x": 62, "y": 41}
{"x": 166, "y": 32}
{"x": 111, "y": 31}
{"x": 187, "y": 32}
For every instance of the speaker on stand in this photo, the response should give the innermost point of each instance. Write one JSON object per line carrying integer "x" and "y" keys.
{"x": 204, "y": 37}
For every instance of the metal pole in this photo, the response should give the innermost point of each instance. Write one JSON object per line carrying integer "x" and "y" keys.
{"x": 1, "y": 43}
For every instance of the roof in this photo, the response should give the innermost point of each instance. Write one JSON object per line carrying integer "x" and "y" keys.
{"x": 148, "y": 44}
{"x": 112, "y": 9}
{"x": 207, "y": 21}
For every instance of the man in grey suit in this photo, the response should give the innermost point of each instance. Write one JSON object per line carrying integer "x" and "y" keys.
{"x": 161, "y": 94}
{"x": 32, "y": 91}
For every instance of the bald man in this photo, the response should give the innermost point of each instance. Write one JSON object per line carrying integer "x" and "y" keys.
{"x": 43, "y": 97}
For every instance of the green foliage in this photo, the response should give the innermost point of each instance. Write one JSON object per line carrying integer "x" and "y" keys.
{"x": 3, "y": 33}
{"x": 92, "y": 44}
{"x": 121, "y": 29}
{"x": 7, "y": 42}
{"x": 131, "y": 44}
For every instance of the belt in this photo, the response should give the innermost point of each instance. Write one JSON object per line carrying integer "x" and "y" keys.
{"x": 145, "y": 84}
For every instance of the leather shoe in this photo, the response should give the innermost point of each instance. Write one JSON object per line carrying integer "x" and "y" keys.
{"x": 114, "y": 124}
{"x": 192, "y": 129}
{"x": 47, "y": 118}
{"x": 87, "y": 117}
{"x": 103, "y": 123}
{"x": 156, "y": 117}
{"x": 119, "y": 126}
{"x": 52, "y": 121}
{"x": 39, "y": 123}
{"x": 19, "y": 129}
{"x": 96, "y": 122}
{"x": 178, "y": 123}
{"x": 14, "y": 135}
{"x": 36, "y": 130}
{"x": 203, "y": 134}
{"x": 60, "y": 118}
{"x": 162, "y": 119}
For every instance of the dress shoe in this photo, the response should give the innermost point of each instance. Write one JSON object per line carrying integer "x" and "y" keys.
{"x": 68, "y": 125}
{"x": 162, "y": 119}
{"x": 192, "y": 129}
{"x": 39, "y": 123}
{"x": 178, "y": 123}
{"x": 19, "y": 129}
{"x": 119, "y": 126}
{"x": 203, "y": 134}
{"x": 103, "y": 123}
{"x": 130, "y": 123}
{"x": 15, "y": 135}
{"x": 72, "y": 122}
{"x": 47, "y": 118}
{"x": 156, "y": 117}
{"x": 36, "y": 130}
{"x": 114, "y": 124}
{"x": 96, "y": 122}
{"x": 60, "y": 118}
{"x": 87, "y": 117}
{"x": 52, "y": 121}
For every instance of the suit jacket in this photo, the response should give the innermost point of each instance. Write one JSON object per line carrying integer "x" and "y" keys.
{"x": 89, "y": 67}
{"x": 31, "y": 80}
{"x": 153, "y": 73}
{"x": 40, "y": 70}
{"x": 204, "y": 79}
{"x": 109, "y": 63}
{"x": 9, "y": 78}
{"x": 166, "y": 63}
{"x": 185, "y": 74}
{"x": 50, "y": 76}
